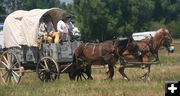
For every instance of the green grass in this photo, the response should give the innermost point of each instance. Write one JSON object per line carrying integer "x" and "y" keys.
{"x": 167, "y": 70}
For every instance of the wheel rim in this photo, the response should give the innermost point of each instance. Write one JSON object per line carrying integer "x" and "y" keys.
{"x": 81, "y": 75}
{"x": 10, "y": 68}
{"x": 47, "y": 69}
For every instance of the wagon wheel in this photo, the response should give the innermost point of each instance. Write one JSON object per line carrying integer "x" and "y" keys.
{"x": 82, "y": 74}
{"x": 47, "y": 69}
{"x": 10, "y": 68}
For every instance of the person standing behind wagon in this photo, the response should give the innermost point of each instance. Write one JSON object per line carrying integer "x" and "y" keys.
{"x": 65, "y": 28}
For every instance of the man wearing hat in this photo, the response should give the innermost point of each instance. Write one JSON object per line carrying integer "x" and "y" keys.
{"x": 47, "y": 30}
{"x": 65, "y": 27}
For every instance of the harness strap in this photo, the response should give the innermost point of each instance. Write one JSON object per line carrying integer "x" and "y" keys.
{"x": 70, "y": 33}
{"x": 93, "y": 49}
{"x": 86, "y": 45}
{"x": 150, "y": 44}
{"x": 100, "y": 49}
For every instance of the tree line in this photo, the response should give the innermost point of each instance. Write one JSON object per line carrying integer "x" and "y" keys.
{"x": 107, "y": 19}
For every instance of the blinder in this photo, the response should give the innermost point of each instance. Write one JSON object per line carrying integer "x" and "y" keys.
{"x": 167, "y": 42}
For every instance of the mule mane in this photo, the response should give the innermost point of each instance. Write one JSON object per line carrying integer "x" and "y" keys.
{"x": 162, "y": 30}
{"x": 156, "y": 39}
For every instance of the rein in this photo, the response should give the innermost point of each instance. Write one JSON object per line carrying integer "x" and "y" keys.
{"x": 149, "y": 44}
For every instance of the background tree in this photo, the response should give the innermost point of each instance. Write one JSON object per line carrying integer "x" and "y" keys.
{"x": 106, "y": 19}
{"x": 103, "y": 20}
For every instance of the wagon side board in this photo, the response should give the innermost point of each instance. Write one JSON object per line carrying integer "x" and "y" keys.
{"x": 61, "y": 52}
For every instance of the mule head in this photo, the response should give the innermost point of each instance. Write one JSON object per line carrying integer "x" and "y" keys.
{"x": 167, "y": 40}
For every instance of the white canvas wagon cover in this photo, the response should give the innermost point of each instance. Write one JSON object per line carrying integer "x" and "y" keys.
{"x": 143, "y": 35}
{"x": 21, "y": 27}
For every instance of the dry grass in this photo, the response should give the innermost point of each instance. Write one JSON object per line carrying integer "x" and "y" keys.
{"x": 167, "y": 70}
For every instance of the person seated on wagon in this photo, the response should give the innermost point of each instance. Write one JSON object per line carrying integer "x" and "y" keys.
{"x": 47, "y": 31}
{"x": 65, "y": 28}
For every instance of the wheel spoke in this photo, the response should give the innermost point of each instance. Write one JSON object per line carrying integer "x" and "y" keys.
{"x": 14, "y": 64}
{"x": 8, "y": 59}
{"x": 12, "y": 80}
{"x": 45, "y": 64}
{"x": 4, "y": 73}
{"x": 80, "y": 77}
{"x": 2, "y": 68}
{"x": 83, "y": 76}
{"x": 5, "y": 64}
{"x": 15, "y": 78}
{"x": 42, "y": 75}
{"x": 7, "y": 77}
{"x": 15, "y": 69}
{"x": 15, "y": 73}
{"x": 42, "y": 66}
{"x": 52, "y": 78}
{"x": 77, "y": 77}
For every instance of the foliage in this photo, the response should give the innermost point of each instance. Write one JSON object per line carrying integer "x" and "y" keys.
{"x": 106, "y": 19}
{"x": 174, "y": 28}
{"x": 99, "y": 19}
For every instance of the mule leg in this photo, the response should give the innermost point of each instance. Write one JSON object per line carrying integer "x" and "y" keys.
{"x": 146, "y": 75}
{"x": 111, "y": 71}
{"x": 88, "y": 72}
{"x": 121, "y": 71}
{"x": 73, "y": 71}
{"x": 157, "y": 57}
{"x": 123, "y": 62}
{"x": 147, "y": 69}
{"x": 72, "y": 74}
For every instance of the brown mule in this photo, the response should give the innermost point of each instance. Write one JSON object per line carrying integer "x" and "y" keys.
{"x": 144, "y": 50}
{"x": 87, "y": 54}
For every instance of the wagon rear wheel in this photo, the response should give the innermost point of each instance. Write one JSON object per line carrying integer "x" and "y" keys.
{"x": 47, "y": 69}
{"x": 10, "y": 68}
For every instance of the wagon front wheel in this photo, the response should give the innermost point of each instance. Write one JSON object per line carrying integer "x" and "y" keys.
{"x": 10, "y": 68}
{"x": 47, "y": 69}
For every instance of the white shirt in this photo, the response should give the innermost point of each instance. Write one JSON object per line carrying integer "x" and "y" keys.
{"x": 61, "y": 27}
{"x": 43, "y": 27}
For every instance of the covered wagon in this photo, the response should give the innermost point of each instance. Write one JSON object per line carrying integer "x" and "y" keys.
{"x": 21, "y": 51}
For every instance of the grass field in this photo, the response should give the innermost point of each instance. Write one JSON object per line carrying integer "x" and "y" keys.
{"x": 168, "y": 70}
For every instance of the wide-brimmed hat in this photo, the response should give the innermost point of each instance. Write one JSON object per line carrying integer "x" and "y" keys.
{"x": 65, "y": 15}
{"x": 46, "y": 16}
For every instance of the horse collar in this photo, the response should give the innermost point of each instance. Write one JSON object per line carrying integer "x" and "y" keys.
{"x": 151, "y": 45}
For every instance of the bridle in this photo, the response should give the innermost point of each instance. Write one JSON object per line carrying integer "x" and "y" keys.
{"x": 167, "y": 40}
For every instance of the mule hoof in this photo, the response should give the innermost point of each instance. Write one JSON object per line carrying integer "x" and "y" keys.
{"x": 149, "y": 79}
{"x": 90, "y": 78}
{"x": 141, "y": 78}
{"x": 127, "y": 79}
